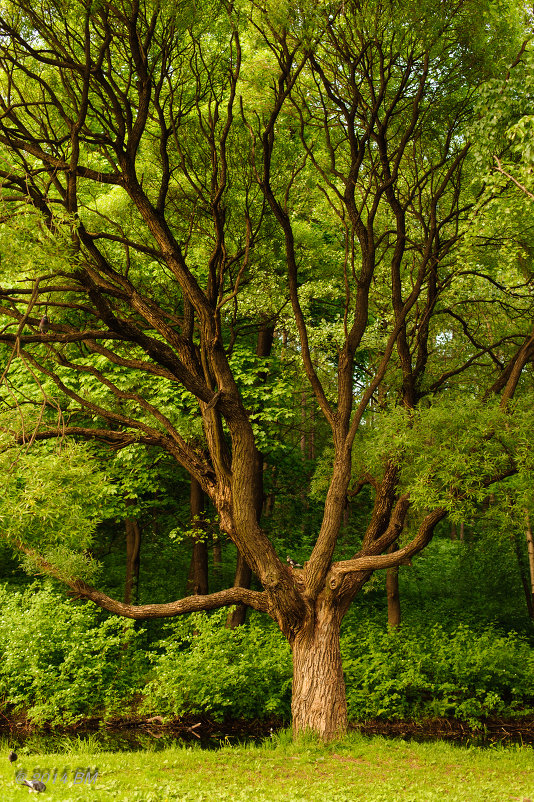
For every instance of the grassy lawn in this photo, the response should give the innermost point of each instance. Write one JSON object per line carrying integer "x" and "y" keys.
{"x": 357, "y": 768}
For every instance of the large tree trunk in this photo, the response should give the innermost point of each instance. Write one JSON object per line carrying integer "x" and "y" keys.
{"x": 319, "y": 702}
{"x": 243, "y": 573}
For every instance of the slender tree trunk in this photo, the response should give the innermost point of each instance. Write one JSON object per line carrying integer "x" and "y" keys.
{"x": 346, "y": 514}
{"x": 312, "y": 431}
{"x": 392, "y": 592}
{"x": 530, "y": 549}
{"x": 524, "y": 573}
{"x": 319, "y": 702}
{"x": 268, "y": 505}
{"x": 243, "y": 575}
{"x": 217, "y": 553}
{"x": 197, "y": 580}
{"x": 133, "y": 559}
{"x": 303, "y": 444}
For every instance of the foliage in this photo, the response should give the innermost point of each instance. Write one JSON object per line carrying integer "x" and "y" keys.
{"x": 204, "y": 668}
{"x": 476, "y": 582}
{"x": 52, "y": 501}
{"x": 423, "y": 671}
{"x": 64, "y": 661}
{"x": 450, "y": 449}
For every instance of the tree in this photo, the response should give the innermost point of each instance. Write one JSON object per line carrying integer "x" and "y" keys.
{"x": 179, "y": 177}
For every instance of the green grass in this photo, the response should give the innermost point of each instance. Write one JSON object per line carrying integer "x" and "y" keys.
{"x": 357, "y": 768}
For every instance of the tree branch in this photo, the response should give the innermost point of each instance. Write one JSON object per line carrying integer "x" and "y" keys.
{"x": 224, "y": 598}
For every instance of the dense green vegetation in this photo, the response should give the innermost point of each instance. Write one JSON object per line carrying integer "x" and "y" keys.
{"x": 65, "y": 661}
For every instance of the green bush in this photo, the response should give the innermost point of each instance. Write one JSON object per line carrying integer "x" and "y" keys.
{"x": 63, "y": 660}
{"x": 204, "y": 668}
{"x": 417, "y": 672}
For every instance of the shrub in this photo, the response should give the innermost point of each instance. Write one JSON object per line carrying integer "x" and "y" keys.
{"x": 204, "y": 668}
{"x": 64, "y": 660}
{"x": 419, "y": 672}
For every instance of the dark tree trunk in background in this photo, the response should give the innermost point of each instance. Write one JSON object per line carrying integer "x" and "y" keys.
{"x": 243, "y": 575}
{"x": 133, "y": 558}
{"x": 392, "y": 592}
{"x": 524, "y": 573}
{"x": 529, "y": 589}
{"x": 217, "y": 553}
{"x": 530, "y": 548}
{"x": 197, "y": 580}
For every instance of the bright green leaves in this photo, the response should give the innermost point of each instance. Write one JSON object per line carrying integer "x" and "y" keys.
{"x": 62, "y": 661}
{"x": 242, "y": 672}
{"x": 267, "y": 387}
{"x": 450, "y": 453}
{"x": 52, "y": 502}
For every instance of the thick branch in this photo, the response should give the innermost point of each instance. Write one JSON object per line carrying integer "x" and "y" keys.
{"x": 191, "y": 604}
{"x": 400, "y": 557}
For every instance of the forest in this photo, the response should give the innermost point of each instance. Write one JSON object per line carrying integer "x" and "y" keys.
{"x": 266, "y": 324}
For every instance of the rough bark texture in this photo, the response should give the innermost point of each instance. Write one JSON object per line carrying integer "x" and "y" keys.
{"x": 319, "y": 702}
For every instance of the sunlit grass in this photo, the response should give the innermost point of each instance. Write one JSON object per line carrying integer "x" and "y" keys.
{"x": 357, "y": 768}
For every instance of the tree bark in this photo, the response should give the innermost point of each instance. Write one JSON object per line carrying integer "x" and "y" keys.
{"x": 243, "y": 573}
{"x": 319, "y": 703}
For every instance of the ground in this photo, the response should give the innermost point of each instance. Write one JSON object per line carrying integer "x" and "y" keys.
{"x": 374, "y": 769}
